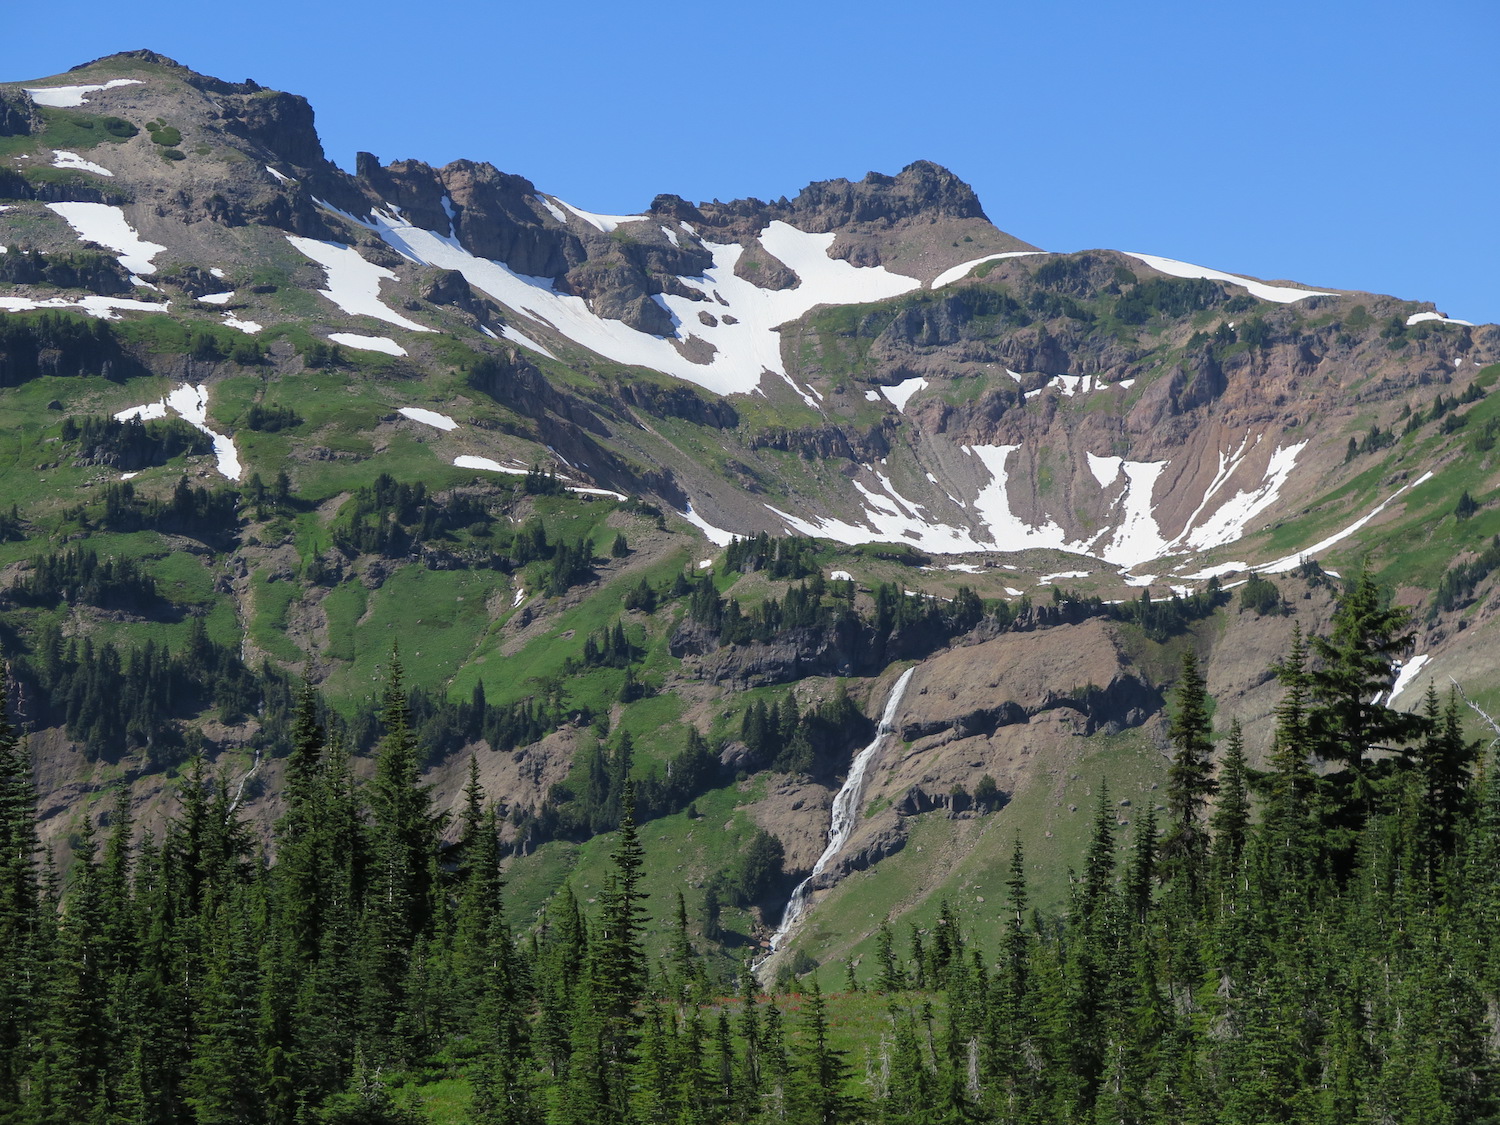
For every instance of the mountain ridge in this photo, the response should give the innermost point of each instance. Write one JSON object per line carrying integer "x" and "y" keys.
{"x": 871, "y": 363}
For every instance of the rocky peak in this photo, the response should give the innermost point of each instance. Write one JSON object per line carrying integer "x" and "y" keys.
{"x": 150, "y": 58}
{"x": 921, "y": 188}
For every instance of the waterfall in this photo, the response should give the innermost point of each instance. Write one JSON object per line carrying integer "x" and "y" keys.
{"x": 846, "y": 807}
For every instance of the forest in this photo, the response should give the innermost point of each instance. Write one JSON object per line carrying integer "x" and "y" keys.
{"x": 1317, "y": 941}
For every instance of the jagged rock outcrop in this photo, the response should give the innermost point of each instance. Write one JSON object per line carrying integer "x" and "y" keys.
{"x": 18, "y": 114}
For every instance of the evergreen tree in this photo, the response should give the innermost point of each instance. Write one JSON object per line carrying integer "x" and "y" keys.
{"x": 1190, "y": 785}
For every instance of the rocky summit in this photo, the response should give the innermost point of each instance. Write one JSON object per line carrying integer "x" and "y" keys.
{"x": 678, "y": 496}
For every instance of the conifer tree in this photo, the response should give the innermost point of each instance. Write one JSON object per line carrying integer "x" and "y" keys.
{"x": 1190, "y": 785}
{"x": 21, "y": 929}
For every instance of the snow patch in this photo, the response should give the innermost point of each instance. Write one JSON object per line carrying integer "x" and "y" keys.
{"x": 704, "y": 564}
{"x": 217, "y": 298}
{"x": 249, "y": 327}
{"x": 965, "y": 568}
{"x": 1407, "y": 674}
{"x": 553, "y": 209}
{"x": 429, "y": 417}
{"x": 520, "y": 594}
{"x": 841, "y": 576}
{"x": 1418, "y": 318}
{"x": 606, "y": 223}
{"x": 902, "y": 392}
{"x": 1228, "y": 523}
{"x": 102, "y": 307}
{"x": 1281, "y": 294}
{"x": 1049, "y": 579}
{"x": 744, "y": 351}
{"x": 64, "y": 159}
{"x": 955, "y": 273}
{"x": 1106, "y": 470}
{"x": 671, "y": 236}
{"x": 872, "y": 396}
{"x": 716, "y": 535}
{"x": 353, "y": 283}
{"x": 106, "y": 225}
{"x": 190, "y": 403}
{"x": 71, "y": 97}
{"x": 368, "y": 343}
{"x": 485, "y": 463}
{"x": 516, "y": 336}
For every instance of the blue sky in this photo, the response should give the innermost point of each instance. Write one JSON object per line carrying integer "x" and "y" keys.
{"x": 1343, "y": 144}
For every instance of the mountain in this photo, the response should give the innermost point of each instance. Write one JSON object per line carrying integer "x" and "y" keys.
{"x": 265, "y": 417}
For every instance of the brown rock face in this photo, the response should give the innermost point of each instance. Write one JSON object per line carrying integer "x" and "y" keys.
{"x": 17, "y": 114}
{"x": 496, "y": 216}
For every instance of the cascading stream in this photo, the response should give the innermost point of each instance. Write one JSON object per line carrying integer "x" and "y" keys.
{"x": 845, "y": 816}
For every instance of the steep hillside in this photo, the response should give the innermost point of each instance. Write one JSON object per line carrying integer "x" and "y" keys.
{"x": 264, "y": 419}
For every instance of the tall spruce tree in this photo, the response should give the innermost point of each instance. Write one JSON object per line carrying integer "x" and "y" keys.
{"x": 1190, "y": 786}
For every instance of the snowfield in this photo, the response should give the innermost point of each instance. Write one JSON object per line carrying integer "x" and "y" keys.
{"x": 353, "y": 283}
{"x": 71, "y": 97}
{"x": 961, "y": 271}
{"x": 191, "y": 404}
{"x": 744, "y": 351}
{"x": 106, "y": 225}
{"x": 64, "y": 159}
{"x": 368, "y": 343}
{"x": 1281, "y": 294}
{"x": 429, "y": 417}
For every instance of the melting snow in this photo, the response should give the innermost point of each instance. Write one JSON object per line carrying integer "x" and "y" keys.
{"x": 468, "y": 462}
{"x": 353, "y": 283}
{"x": 1228, "y": 523}
{"x": 966, "y": 568}
{"x": 955, "y": 273}
{"x": 279, "y": 176}
{"x": 102, "y": 307}
{"x": 1407, "y": 674}
{"x": 71, "y": 97}
{"x": 553, "y": 209}
{"x": 606, "y": 223}
{"x": 872, "y": 396}
{"x": 841, "y": 576}
{"x": 430, "y": 417}
{"x": 1281, "y": 294}
{"x": 191, "y": 404}
{"x": 671, "y": 235}
{"x": 716, "y": 535}
{"x": 64, "y": 159}
{"x": 1049, "y": 579}
{"x": 1106, "y": 470}
{"x": 704, "y": 564}
{"x": 520, "y": 594}
{"x": 902, "y": 392}
{"x": 1013, "y": 592}
{"x": 744, "y": 351}
{"x": 368, "y": 343}
{"x": 1418, "y": 318}
{"x": 106, "y": 225}
{"x": 1071, "y": 385}
{"x": 217, "y": 298}
{"x": 249, "y": 327}
{"x": 1293, "y": 561}
{"x": 517, "y": 337}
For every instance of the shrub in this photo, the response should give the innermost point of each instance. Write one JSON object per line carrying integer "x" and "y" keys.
{"x": 1261, "y": 595}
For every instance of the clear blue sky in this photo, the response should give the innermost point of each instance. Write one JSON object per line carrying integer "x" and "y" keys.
{"x": 1336, "y": 143}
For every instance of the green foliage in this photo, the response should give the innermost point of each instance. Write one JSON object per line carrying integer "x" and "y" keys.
{"x": 1260, "y": 595}
{"x": 33, "y": 345}
{"x": 271, "y": 417}
{"x": 133, "y": 445}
